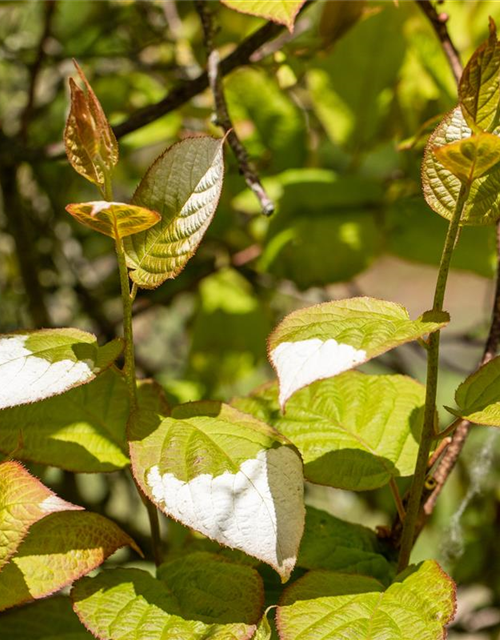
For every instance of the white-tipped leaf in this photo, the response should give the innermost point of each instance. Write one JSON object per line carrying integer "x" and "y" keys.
{"x": 224, "y": 474}
{"x": 325, "y": 340}
{"x": 39, "y": 364}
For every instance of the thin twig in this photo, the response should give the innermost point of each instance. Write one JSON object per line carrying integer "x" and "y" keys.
{"x": 438, "y": 21}
{"x": 222, "y": 117}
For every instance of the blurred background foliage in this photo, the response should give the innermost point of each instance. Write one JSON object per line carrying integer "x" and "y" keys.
{"x": 335, "y": 118}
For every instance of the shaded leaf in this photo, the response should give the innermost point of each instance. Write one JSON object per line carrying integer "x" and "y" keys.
{"x": 479, "y": 87}
{"x": 23, "y": 501}
{"x": 471, "y": 158}
{"x": 441, "y": 187}
{"x": 338, "y": 17}
{"x": 327, "y": 339}
{"x": 196, "y": 605}
{"x": 58, "y": 549}
{"x": 354, "y": 431}
{"x": 329, "y": 605}
{"x": 82, "y": 430}
{"x": 114, "y": 219}
{"x": 39, "y": 364}
{"x": 224, "y": 474}
{"x": 50, "y": 619}
{"x": 336, "y": 545}
{"x": 184, "y": 186}
{"x": 478, "y": 397}
{"x": 90, "y": 143}
{"x": 281, "y": 11}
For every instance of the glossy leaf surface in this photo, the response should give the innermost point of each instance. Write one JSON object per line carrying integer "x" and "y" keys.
{"x": 329, "y": 605}
{"x": 224, "y": 474}
{"x": 479, "y": 88}
{"x": 354, "y": 431}
{"x": 58, "y": 549}
{"x": 282, "y": 11}
{"x": 184, "y": 186}
{"x": 189, "y": 600}
{"x": 90, "y": 143}
{"x": 441, "y": 187}
{"x": 114, "y": 219}
{"x": 322, "y": 341}
{"x": 23, "y": 501}
{"x": 82, "y": 430}
{"x": 39, "y": 364}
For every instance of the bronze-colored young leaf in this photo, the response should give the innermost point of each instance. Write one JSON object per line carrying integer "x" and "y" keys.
{"x": 114, "y": 219}
{"x": 470, "y": 158}
{"x": 479, "y": 89}
{"x": 90, "y": 143}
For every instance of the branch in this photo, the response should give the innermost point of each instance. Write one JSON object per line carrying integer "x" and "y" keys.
{"x": 36, "y": 66}
{"x": 222, "y": 117}
{"x": 438, "y": 21}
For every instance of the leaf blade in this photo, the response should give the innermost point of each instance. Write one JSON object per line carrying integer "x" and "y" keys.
{"x": 208, "y": 460}
{"x": 325, "y": 340}
{"x": 114, "y": 219}
{"x": 280, "y": 11}
{"x": 184, "y": 185}
{"x": 39, "y": 364}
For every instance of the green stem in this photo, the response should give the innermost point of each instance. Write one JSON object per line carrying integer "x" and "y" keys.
{"x": 428, "y": 435}
{"x": 129, "y": 368}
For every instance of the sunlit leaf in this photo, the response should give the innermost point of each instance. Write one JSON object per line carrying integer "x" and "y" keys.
{"x": 479, "y": 88}
{"x": 57, "y": 550}
{"x": 82, "y": 430}
{"x": 471, "y": 158}
{"x": 353, "y": 431}
{"x": 441, "y": 187}
{"x": 281, "y": 11}
{"x": 39, "y": 364}
{"x": 23, "y": 501}
{"x": 114, "y": 219}
{"x": 49, "y": 619}
{"x": 184, "y": 186}
{"x": 327, "y": 339}
{"x": 224, "y": 474}
{"x": 90, "y": 143}
{"x": 329, "y": 605}
{"x": 478, "y": 397}
{"x": 198, "y": 597}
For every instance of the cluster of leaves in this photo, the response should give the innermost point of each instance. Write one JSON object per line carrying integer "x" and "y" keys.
{"x": 232, "y": 472}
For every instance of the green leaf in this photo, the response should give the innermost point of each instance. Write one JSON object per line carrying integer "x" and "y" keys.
{"x": 50, "y": 619}
{"x": 281, "y": 11}
{"x": 90, "y": 143}
{"x": 39, "y": 364}
{"x": 354, "y": 431}
{"x": 184, "y": 186}
{"x": 327, "y": 339}
{"x": 58, "y": 549}
{"x": 441, "y": 187}
{"x": 336, "y": 545}
{"x": 198, "y": 597}
{"x": 479, "y": 88}
{"x": 23, "y": 501}
{"x": 325, "y": 605}
{"x": 114, "y": 219}
{"x": 82, "y": 430}
{"x": 471, "y": 158}
{"x": 478, "y": 397}
{"x": 224, "y": 474}
{"x": 263, "y": 629}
